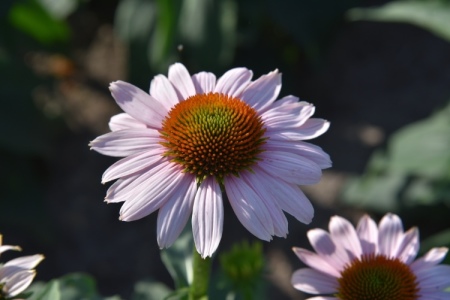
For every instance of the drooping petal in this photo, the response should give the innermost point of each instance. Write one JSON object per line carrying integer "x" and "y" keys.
{"x": 124, "y": 121}
{"x": 124, "y": 187}
{"x": 132, "y": 164}
{"x": 290, "y": 167}
{"x": 25, "y": 262}
{"x": 262, "y": 92}
{"x": 181, "y": 80}
{"x": 312, "y": 128}
{"x": 5, "y": 248}
{"x": 138, "y": 104}
{"x": 261, "y": 184}
{"x": 126, "y": 142}
{"x": 162, "y": 90}
{"x": 310, "y": 151}
{"x": 390, "y": 234}
{"x": 290, "y": 116}
{"x": 433, "y": 257}
{"x": 174, "y": 214}
{"x": 324, "y": 245}
{"x": 233, "y": 82}
{"x": 160, "y": 185}
{"x": 204, "y": 82}
{"x": 18, "y": 283}
{"x": 207, "y": 217}
{"x": 343, "y": 233}
{"x": 434, "y": 279}
{"x": 248, "y": 209}
{"x": 316, "y": 262}
{"x": 314, "y": 282}
{"x": 368, "y": 234}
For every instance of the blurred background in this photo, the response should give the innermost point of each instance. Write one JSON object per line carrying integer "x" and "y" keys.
{"x": 379, "y": 71}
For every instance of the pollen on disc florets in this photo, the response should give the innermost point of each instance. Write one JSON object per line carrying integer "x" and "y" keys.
{"x": 376, "y": 277}
{"x": 213, "y": 135}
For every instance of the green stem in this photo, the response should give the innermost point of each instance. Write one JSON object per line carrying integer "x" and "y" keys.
{"x": 201, "y": 271}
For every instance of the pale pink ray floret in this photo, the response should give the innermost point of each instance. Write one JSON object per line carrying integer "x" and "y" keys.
{"x": 149, "y": 180}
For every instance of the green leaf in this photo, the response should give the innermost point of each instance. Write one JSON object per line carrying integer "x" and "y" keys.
{"x": 178, "y": 259}
{"x": 31, "y": 18}
{"x": 59, "y": 8}
{"x": 51, "y": 291}
{"x": 150, "y": 290}
{"x": 433, "y": 15}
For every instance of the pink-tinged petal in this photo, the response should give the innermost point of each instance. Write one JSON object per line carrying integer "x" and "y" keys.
{"x": 368, "y": 235}
{"x": 160, "y": 185}
{"x": 312, "y": 128}
{"x": 324, "y": 245}
{"x": 248, "y": 209}
{"x": 233, "y": 82}
{"x": 262, "y": 92}
{"x": 132, "y": 164}
{"x": 409, "y": 246}
{"x": 5, "y": 248}
{"x": 434, "y": 279}
{"x": 174, "y": 214}
{"x": 25, "y": 262}
{"x": 124, "y": 121}
{"x": 310, "y": 151}
{"x": 138, "y": 104}
{"x": 430, "y": 259}
{"x": 289, "y": 116}
{"x": 433, "y": 295}
{"x": 207, "y": 217}
{"x": 343, "y": 233}
{"x": 316, "y": 262}
{"x": 261, "y": 184}
{"x": 18, "y": 283}
{"x": 204, "y": 82}
{"x": 314, "y": 282}
{"x": 162, "y": 90}
{"x": 289, "y": 197}
{"x": 123, "y": 188}
{"x": 290, "y": 167}
{"x": 322, "y": 298}
{"x": 390, "y": 234}
{"x": 181, "y": 80}
{"x": 126, "y": 142}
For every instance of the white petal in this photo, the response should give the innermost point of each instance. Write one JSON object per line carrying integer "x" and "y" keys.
{"x": 204, "y": 82}
{"x": 289, "y": 197}
{"x": 343, "y": 233}
{"x": 174, "y": 214}
{"x": 25, "y": 262}
{"x": 5, "y": 248}
{"x": 290, "y": 167}
{"x": 324, "y": 245}
{"x": 314, "y": 282}
{"x": 311, "y": 129}
{"x": 207, "y": 217}
{"x": 126, "y": 142}
{"x": 124, "y": 121}
{"x": 162, "y": 90}
{"x": 154, "y": 192}
{"x": 430, "y": 259}
{"x": 289, "y": 116}
{"x": 181, "y": 80}
{"x": 368, "y": 235}
{"x": 123, "y": 188}
{"x": 248, "y": 209}
{"x": 18, "y": 283}
{"x": 316, "y": 262}
{"x": 310, "y": 151}
{"x": 233, "y": 82}
{"x": 138, "y": 103}
{"x": 390, "y": 234}
{"x": 261, "y": 184}
{"x": 132, "y": 164}
{"x": 262, "y": 92}
{"x": 322, "y": 298}
{"x": 409, "y": 246}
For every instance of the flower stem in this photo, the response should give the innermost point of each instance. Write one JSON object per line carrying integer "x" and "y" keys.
{"x": 201, "y": 274}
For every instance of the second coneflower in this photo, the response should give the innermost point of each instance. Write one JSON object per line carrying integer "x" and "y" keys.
{"x": 193, "y": 138}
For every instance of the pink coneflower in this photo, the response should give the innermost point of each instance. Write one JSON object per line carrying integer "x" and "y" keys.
{"x": 371, "y": 263}
{"x": 17, "y": 274}
{"x": 193, "y": 138}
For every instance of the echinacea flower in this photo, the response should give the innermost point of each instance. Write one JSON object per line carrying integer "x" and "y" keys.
{"x": 371, "y": 263}
{"x": 17, "y": 274}
{"x": 194, "y": 137}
